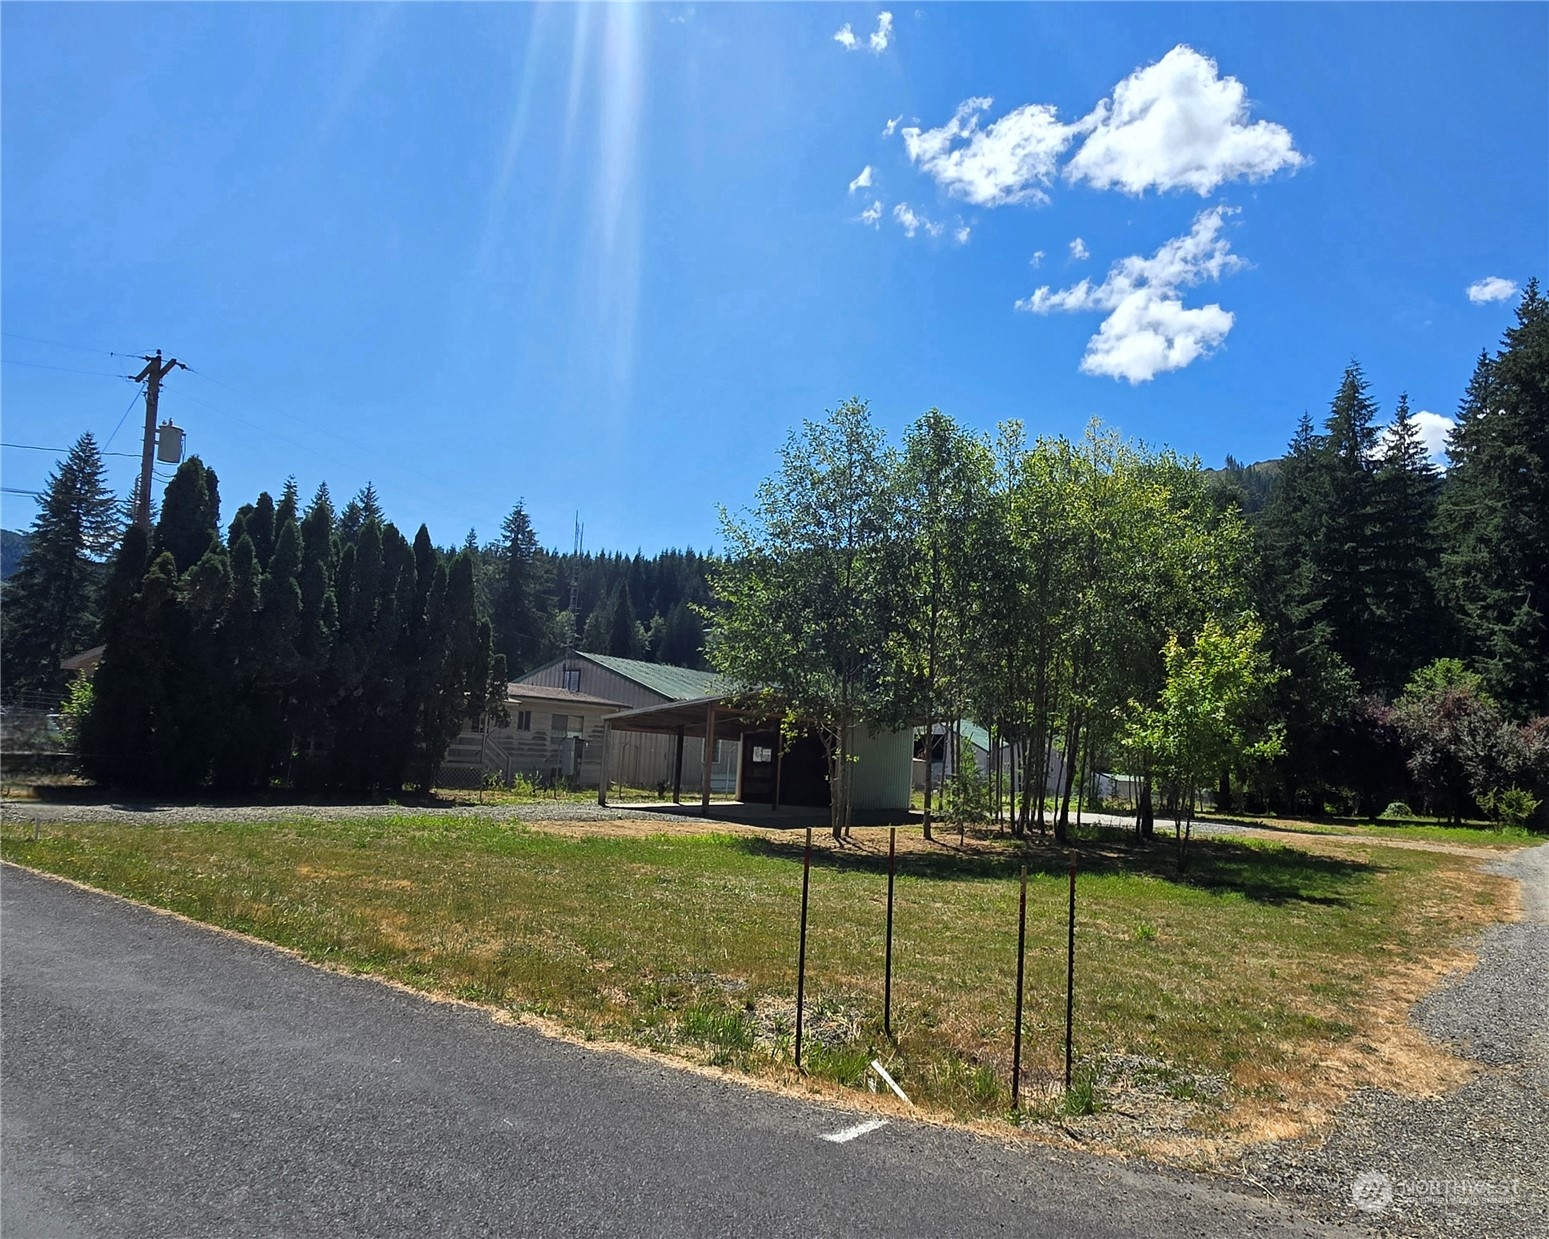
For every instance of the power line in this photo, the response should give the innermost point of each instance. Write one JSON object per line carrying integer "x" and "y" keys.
{"x": 343, "y": 464}
{"x": 38, "y": 365}
{"x": 79, "y": 348}
{"x": 58, "y": 451}
{"x": 119, "y": 424}
{"x": 352, "y": 444}
{"x": 11, "y": 490}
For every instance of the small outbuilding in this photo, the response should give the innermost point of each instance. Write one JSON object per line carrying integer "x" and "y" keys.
{"x": 772, "y": 768}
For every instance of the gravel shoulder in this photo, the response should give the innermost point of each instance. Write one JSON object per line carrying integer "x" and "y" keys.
{"x": 1474, "y": 1161}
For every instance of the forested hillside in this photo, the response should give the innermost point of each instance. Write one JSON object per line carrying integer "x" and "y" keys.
{"x": 1336, "y": 630}
{"x": 13, "y": 546}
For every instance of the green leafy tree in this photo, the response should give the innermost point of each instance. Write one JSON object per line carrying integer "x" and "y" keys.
{"x": 1207, "y": 716}
{"x": 942, "y": 479}
{"x": 802, "y": 615}
{"x": 1459, "y": 745}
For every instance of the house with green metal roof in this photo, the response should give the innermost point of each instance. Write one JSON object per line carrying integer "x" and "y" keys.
{"x": 556, "y": 728}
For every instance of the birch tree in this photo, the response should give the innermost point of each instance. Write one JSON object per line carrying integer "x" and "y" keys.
{"x": 803, "y": 597}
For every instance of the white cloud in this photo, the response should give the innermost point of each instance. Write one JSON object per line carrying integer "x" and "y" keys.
{"x": 1079, "y": 251}
{"x": 1038, "y": 257}
{"x": 1007, "y": 162}
{"x": 1494, "y": 288}
{"x": 911, "y": 222}
{"x": 1177, "y": 124}
{"x": 863, "y": 181}
{"x": 1434, "y": 429}
{"x": 962, "y": 234}
{"x": 877, "y": 40}
{"x": 887, "y": 129}
{"x": 1148, "y": 330}
{"x": 883, "y": 34}
{"x": 872, "y": 214}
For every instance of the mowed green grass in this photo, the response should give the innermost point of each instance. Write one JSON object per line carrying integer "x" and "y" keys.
{"x": 1251, "y": 967}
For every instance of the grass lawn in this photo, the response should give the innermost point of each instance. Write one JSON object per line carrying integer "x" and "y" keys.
{"x": 1274, "y": 974}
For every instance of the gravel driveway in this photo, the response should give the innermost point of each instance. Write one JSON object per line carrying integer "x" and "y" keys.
{"x": 150, "y": 812}
{"x": 1476, "y": 1161}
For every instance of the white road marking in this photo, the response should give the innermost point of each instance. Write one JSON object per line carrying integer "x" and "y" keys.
{"x": 850, "y": 1133}
{"x": 891, "y": 1083}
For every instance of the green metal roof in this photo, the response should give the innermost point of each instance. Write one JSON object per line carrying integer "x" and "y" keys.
{"x": 972, "y": 732}
{"x": 674, "y": 683}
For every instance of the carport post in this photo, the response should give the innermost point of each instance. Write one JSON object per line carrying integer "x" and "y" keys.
{"x": 602, "y": 777}
{"x": 677, "y": 770}
{"x": 704, "y": 795}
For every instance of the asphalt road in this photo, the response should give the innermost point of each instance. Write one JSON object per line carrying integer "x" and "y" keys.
{"x": 161, "y": 1079}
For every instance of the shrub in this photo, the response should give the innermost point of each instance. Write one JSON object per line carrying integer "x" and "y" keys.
{"x": 969, "y": 795}
{"x": 1511, "y": 806}
{"x": 1397, "y": 809}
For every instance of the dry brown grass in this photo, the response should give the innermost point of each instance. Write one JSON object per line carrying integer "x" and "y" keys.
{"x": 1241, "y": 1003}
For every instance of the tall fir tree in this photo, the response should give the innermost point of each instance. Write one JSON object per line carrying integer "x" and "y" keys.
{"x": 1407, "y": 622}
{"x": 1342, "y": 550}
{"x": 517, "y": 603}
{"x": 51, "y": 605}
{"x": 1495, "y": 513}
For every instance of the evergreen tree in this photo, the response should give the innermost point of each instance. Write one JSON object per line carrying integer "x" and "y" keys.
{"x": 364, "y": 509}
{"x": 190, "y": 515}
{"x": 624, "y": 636}
{"x": 597, "y": 635}
{"x": 51, "y": 605}
{"x": 1495, "y": 513}
{"x": 1342, "y": 549}
{"x": 1407, "y": 621}
{"x": 680, "y": 640}
{"x": 1313, "y": 699}
{"x": 517, "y": 603}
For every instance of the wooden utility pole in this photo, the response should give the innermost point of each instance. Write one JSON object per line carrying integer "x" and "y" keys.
{"x": 155, "y": 370}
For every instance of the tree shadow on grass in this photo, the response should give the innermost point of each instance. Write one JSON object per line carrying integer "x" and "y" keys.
{"x": 1272, "y": 875}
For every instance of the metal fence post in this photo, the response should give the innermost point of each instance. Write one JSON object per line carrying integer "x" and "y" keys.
{"x": 1016, "y": 1037}
{"x": 801, "y": 951}
{"x": 1070, "y": 973}
{"x": 887, "y": 964}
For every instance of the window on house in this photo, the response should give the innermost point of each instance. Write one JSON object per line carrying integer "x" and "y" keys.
{"x": 523, "y": 720}
{"x": 568, "y": 724}
{"x": 573, "y": 680}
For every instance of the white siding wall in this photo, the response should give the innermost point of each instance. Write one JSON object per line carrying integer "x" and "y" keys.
{"x": 596, "y": 681}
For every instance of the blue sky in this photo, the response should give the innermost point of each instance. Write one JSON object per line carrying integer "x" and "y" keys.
{"x": 605, "y": 258}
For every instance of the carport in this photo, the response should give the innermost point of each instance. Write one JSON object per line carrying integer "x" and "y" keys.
{"x": 769, "y": 770}
{"x": 775, "y": 768}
